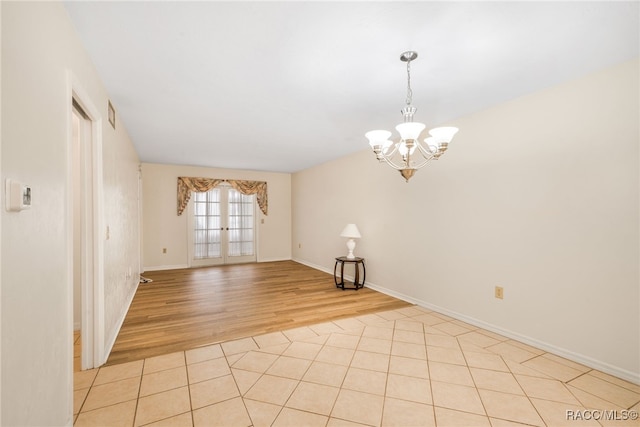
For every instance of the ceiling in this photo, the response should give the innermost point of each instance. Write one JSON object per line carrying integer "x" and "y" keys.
{"x": 283, "y": 86}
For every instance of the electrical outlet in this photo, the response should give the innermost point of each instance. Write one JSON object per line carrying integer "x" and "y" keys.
{"x": 164, "y": 250}
{"x": 499, "y": 292}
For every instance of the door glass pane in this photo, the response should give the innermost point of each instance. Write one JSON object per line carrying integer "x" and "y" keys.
{"x": 241, "y": 208}
{"x": 206, "y": 233}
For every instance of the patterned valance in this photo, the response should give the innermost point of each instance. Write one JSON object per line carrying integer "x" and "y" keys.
{"x": 201, "y": 185}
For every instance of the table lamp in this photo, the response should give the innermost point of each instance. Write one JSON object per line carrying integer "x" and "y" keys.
{"x": 351, "y": 231}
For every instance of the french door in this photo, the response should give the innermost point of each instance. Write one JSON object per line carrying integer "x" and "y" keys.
{"x": 222, "y": 224}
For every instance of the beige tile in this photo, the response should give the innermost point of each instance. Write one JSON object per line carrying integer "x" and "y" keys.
{"x": 375, "y": 345}
{"x": 350, "y": 324}
{"x": 452, "y": 328}
{"x": 496, "y": 381}
{"x": 408, "y": 388}
{"x": 293, "y": 418}
{"x": 391, "y": 315}
{"x": 519, "y": 368}
{"x": 527, "y": 347}
{"x": 268, "y": 340}
{"x": 566, "y": 362}
{"x": 303, "y": 350}
{"x": 162, "y": 405}
{"x": 239, "y": 346}
{"x": 289, "y": 367}
{"x": 325, "y": 328}
{"x": 458, "y": 397}
{"x": 450, "y": 418}
{"x": 78, "y": 399}
{"x": 493, "y": 335}
{"x": 343, "y": 341}
{"x": 207, "y": 370}
{"x": 163, "y": 380}
{"x": 409, "y": 336}
{"x": 557, "y": 414}
{"x": 161, "y": 363}
{"x": 272, "y": 389}
{"x": 204, "y": 353}
{"x": 430, "y": 330}
{"x": 372, "y": 361}
{"x": 112, "y": 373}
{"x": 298, "y": 334}
{"x": 255, "y": 361}
{"x": 552, "y": 368}
{"x": 338, "y": 356}
{"x": 401, "y": 413}
{"x": 372, "y": 319}
{"x": 182, "y": 420}
{"x": 111, "y": 393}
{"x": 485, "y": 361}
{"x": 606, "y": 390}
{"x": 233, "y": 358}
{"x": 445, "y": 341}
{"x": 429, "y": 319}
{"x": 358, "y": 407}
{"x": 449, "y": 373}
{"x": 228, "y": 413}
{"x": 510, "y": 407}
{"x": 245, "y": 379}
{"x": 262, "y": 414}
{"x": 477, "y": 338}
{"x": 337, "y": 422}
{"x": 512, "y": 352}
{"x": 325, "y": 373}
{"x": 377, "y": 332}
{"x": 315, "y": 398}
{"x": 84, "y": 379}
{"x": 445, "y": 355}
{"x": 467, "y": 346}
{"x": 590, "y": 401}
{"x": 365, "y": 380}
{"x": 213, "y": 391}
{"x": 320, "y": 339}
{"x": 409, "y": 325}
{"x": 404, "y": 349}
{"x": 277, "y": 349}
{"x": 617, "y": 381}
{"x": 412, "y": 311}
{"x": 117, "y": 415}
{"x": 547, "y": 389}
{"x": 442, "y": 316}
{"x": 409, "y": 367}
{"x": 497, "y": 422}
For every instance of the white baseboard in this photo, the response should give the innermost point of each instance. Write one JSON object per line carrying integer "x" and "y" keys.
{"x": 110, "y": 343}
{"x": 273, "y": 259}
{"x": 616, "y": 371}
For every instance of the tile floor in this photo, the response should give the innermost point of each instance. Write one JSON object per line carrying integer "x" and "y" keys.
{"x": 407, "y": 367}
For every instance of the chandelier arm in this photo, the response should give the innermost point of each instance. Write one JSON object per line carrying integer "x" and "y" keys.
{"x": 393, "y": 164}
{"x": 426, "y": 153}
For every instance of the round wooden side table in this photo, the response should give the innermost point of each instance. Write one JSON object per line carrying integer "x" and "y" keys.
{"x": 358, "y": 264}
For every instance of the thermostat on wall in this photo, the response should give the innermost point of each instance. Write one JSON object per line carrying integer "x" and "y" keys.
{"x": 17, "y": 196}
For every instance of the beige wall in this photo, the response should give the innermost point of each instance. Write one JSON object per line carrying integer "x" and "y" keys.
{"x": 538, "y": 195}
{"x": 163, "y": 228}
{"x": 39, "y": 51}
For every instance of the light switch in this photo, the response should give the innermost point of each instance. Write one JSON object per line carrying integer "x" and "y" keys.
{"x": 17, "y": 196}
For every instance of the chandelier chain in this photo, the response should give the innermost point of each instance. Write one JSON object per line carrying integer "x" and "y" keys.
{"x": 409, "y": 91}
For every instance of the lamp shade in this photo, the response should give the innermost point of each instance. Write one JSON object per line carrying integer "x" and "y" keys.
{"x": 351, "y": 231}
{"x": 443, "y": 134}
{"x": 410, "y": 130}
{"x": 378, "y": 137}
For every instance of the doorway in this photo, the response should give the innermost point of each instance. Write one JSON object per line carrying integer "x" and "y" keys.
{"x": 221, "y": 227}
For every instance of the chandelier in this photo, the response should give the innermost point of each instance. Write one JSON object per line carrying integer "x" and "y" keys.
{"x": 409, "y": 153}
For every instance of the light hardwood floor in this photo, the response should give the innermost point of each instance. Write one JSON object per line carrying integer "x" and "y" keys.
{"x": 185, "y": 309}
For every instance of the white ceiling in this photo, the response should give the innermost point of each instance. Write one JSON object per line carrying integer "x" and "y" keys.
{"x": 282, "y": 86}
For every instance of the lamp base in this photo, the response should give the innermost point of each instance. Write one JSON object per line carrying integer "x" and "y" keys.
{"x": 351, "y": 245}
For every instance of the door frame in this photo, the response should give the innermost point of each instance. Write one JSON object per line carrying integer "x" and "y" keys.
{"x": 92, "y": 317}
